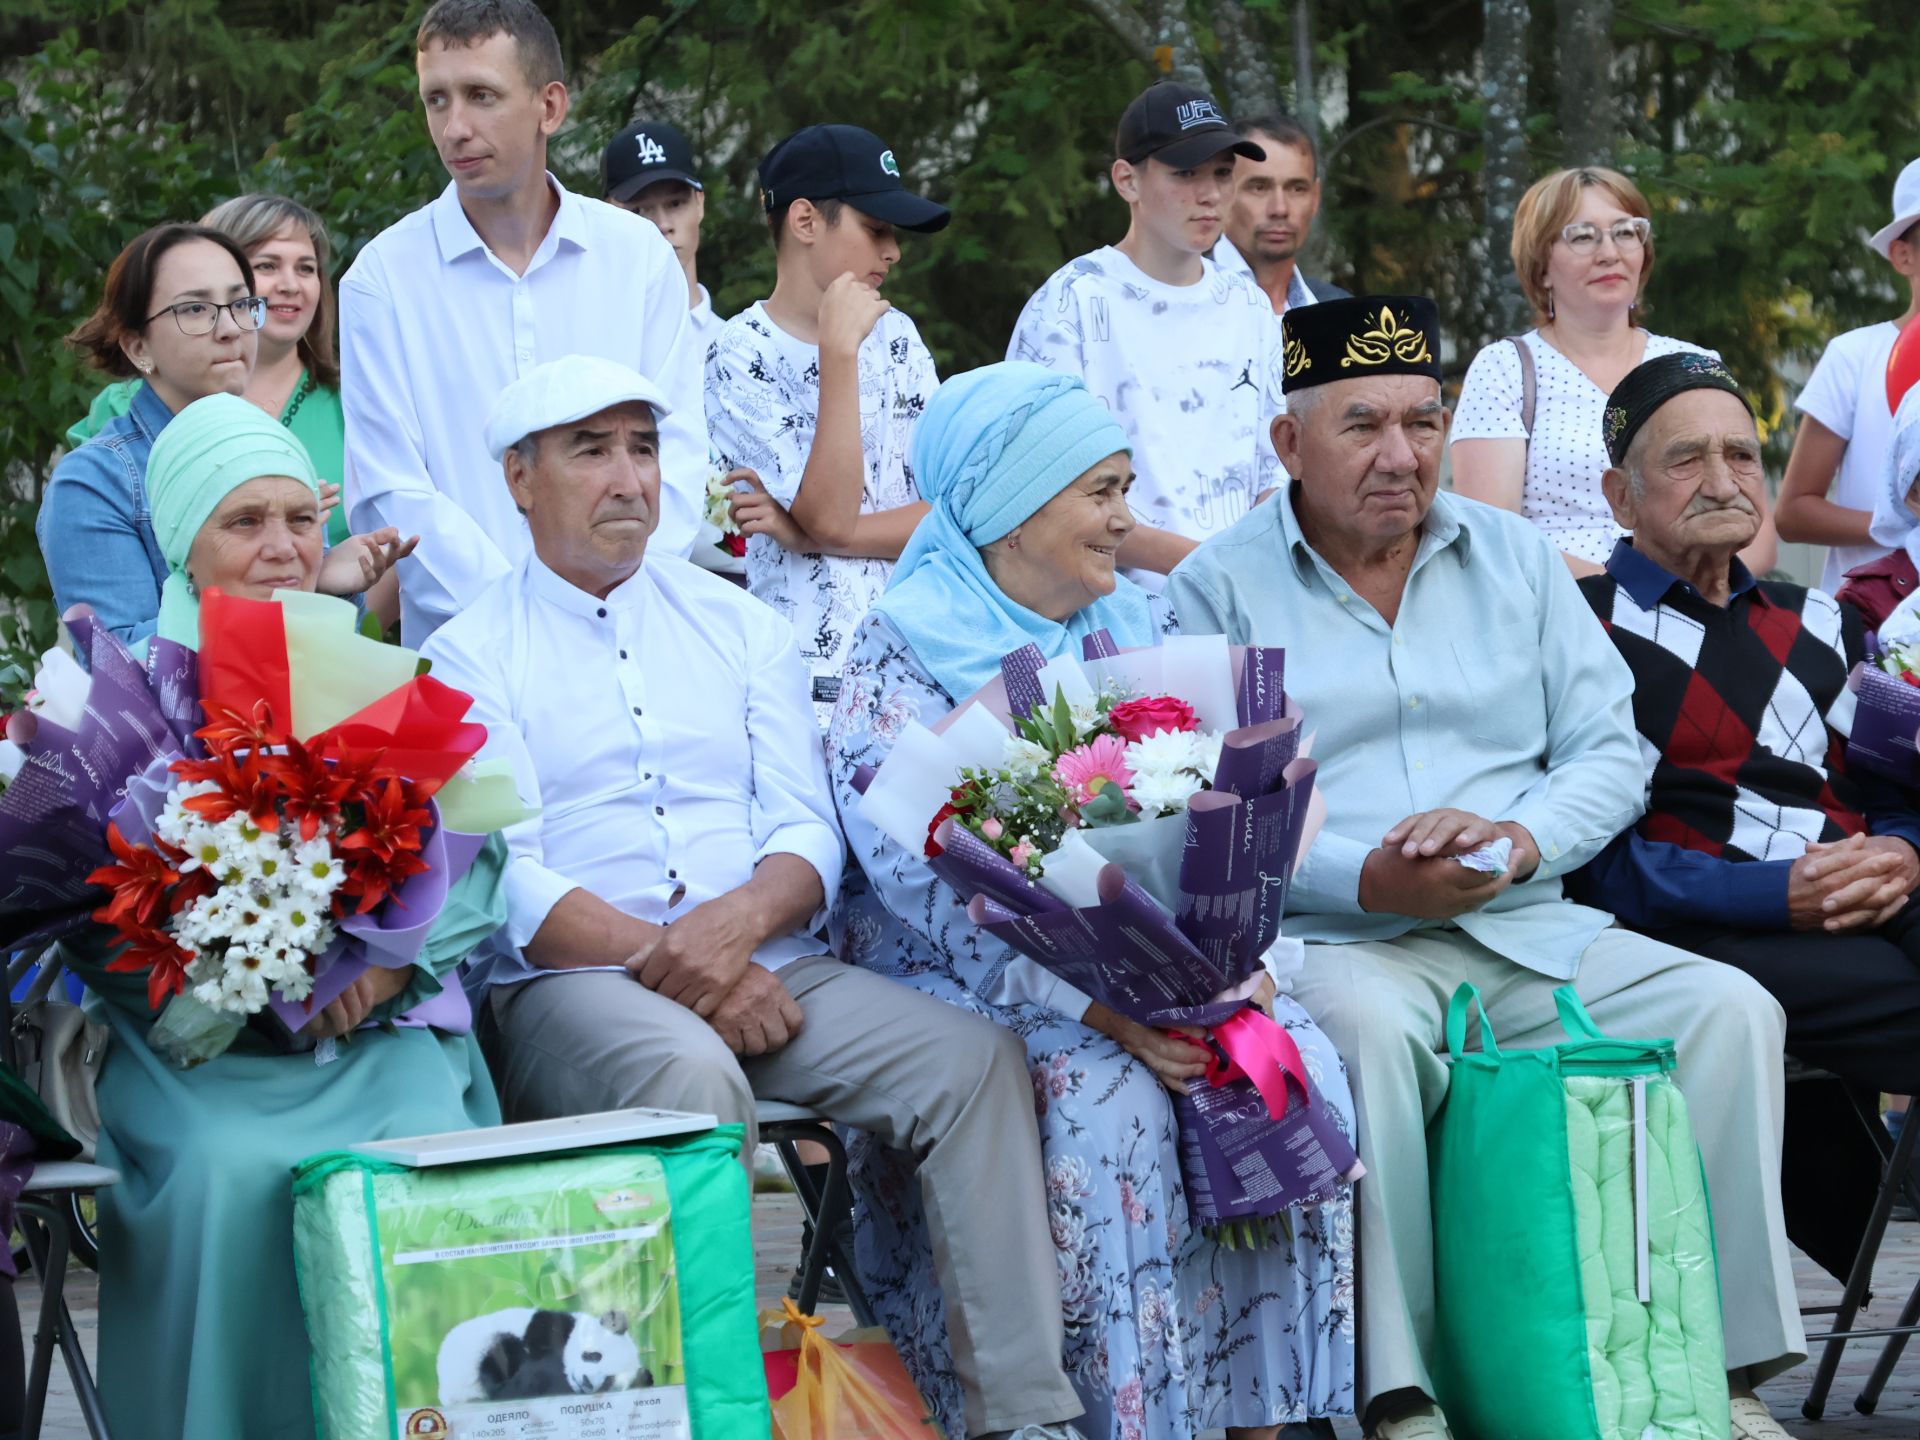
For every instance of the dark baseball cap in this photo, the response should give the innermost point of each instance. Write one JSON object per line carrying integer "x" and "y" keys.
{"x": 646, "y": 152}
{"x": 1178, "y": 126}
{"x": 844, "y": 162}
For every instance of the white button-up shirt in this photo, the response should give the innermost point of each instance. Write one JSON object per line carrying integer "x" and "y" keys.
{"x": 433, "y": 326}
{"x": 664, "y": 732}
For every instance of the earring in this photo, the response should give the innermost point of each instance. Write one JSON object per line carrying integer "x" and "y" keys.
{"x": 143, "y": 366}
{"x": 1549, "y": 305}
{"x": 192, "y": 589}
{"x": 1013, "y": 540}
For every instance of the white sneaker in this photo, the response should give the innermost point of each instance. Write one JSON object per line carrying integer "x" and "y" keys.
{"x": 1753, "y": 1421}
{"x": 1429, "y": 1424}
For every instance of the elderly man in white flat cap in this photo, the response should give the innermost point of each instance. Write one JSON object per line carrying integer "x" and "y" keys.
{"x": 659, "y": 945}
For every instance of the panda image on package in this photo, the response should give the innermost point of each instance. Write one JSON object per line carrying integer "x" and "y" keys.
{"x": 523, "y": 1353}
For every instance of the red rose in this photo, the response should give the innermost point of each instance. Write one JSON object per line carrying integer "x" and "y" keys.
{"x": 940, "y": 817}
{"x": 735, "y": 545}
{"x": 1911, "y": 677}
{"x": 1136, "y": 719}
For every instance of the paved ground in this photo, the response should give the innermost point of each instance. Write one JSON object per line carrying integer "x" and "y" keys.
{"x": 777, "y": 1248}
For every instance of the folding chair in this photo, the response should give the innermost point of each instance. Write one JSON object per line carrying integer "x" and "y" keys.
{"x": 48, "y": 1214}
{"x": 784, "y": 1126}
{"x": 1897, "y": 1178}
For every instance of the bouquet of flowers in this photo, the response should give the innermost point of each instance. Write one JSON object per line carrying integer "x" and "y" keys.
{"x": 1135, "y": 836}
{"x": 267, "y": 818}
{"x": 721, "y": 545}
{"x": 1886, "y": 690}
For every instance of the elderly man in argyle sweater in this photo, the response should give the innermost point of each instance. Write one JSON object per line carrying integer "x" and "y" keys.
{"x": 1757, "y": 848}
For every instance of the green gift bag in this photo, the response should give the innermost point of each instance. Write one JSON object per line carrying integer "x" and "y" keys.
{"x": 599, "y": 1294}
{"x": 1576, "y": 1293}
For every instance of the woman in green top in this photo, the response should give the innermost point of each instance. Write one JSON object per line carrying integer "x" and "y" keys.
{"x": 297, "y": 374}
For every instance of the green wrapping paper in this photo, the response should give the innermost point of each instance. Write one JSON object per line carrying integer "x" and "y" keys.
{"x": 1577, "y": 1296}
{"x": 602, "y": 1294}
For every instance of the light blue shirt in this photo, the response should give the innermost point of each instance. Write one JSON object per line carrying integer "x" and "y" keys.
{"x": 1493, "y": 692}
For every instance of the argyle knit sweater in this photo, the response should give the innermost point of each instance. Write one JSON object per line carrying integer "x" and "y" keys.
{"x": 1741, "y": 712}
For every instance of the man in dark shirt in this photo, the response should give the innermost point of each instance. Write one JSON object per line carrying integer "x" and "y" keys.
{"x": 1757, "y": 847}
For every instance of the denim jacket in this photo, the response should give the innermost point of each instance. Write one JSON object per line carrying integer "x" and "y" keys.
{"x": 95, "y": 527}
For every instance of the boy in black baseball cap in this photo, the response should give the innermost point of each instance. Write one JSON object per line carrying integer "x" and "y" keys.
{"x": 648, "y": 168}
{"x": 1185, "y": 355}
{"x": 817, "y": 389}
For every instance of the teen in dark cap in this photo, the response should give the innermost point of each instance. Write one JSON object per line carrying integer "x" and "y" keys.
{"x": 648, "y": 168}
{"x": 817, "y": 389}
{"x": 1184, "y": 354}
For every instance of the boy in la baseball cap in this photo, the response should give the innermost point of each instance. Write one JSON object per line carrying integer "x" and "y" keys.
{"x": 1846, "y": 429}
{"x": 648, "y": 168}
{"x": 817, "y": 389}
{"x": 1185, "y": 355}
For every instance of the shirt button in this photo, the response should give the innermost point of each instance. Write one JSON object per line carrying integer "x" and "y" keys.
{"x": 1397, "y": 640}
{"x": 1414, "y": 703}
{"x": 659, "y": 809}
{"x": 646, "y": 774}
{"x": 636, "y": 709}
{"x": 601, "y": 612}
{"x": 1343, "y": 599}
{"x": 673, "y": 874}
{"x": 1419, "y": 764}
{"x": 623, "y": 654}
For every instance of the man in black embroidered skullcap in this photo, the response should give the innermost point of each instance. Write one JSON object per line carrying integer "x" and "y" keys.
{"x": 1475, "y": 745}
{"x": 1755, "y": 848}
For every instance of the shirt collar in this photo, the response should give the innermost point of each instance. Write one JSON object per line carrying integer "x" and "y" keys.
{"x": 1447, "y": 523}
{"x": 455, "y": 235}
{"x": 148, "y": 411}
{"x": 1647, "y": 582}
{"x": 629, "y": 595}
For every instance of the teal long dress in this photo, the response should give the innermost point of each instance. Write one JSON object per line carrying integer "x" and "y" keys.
{"x": 201, "y": 1331}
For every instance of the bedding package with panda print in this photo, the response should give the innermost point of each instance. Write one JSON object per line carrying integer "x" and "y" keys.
{"x": 601, "y": 1294}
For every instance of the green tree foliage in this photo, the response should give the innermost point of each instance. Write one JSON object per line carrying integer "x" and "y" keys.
{"x": 1766, "y": 133}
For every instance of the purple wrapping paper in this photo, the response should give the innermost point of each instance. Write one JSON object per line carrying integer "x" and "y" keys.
{"x": 1021, "y": 672}
{"x": 1886, "y": 718}
{"x": 1263, "y": 694}
{"x": 1253, "y": 759}
{"x": 973, "y": 867}
{"x": 53, "y": 817}
{"x": 1238, "y": 1161}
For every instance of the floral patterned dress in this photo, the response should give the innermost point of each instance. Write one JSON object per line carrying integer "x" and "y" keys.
{"x": 1167, "y": 1334}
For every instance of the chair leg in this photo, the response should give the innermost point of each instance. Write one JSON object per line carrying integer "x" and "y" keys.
{"x": 45, "y": 1227}
{"x": 823, "y": 1205}
{"x": 1860, "y": 1278}
{"x": 1869, "y": 1398}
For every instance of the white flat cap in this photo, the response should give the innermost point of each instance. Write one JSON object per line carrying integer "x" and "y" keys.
{"x": 564, "y": 390}
{"x": 1906, "y": 210}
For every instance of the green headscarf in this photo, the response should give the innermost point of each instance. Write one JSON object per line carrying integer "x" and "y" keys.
{"x": 205, "y": 453}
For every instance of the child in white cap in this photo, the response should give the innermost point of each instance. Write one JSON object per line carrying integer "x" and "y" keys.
{"x": 1846, "y": 424}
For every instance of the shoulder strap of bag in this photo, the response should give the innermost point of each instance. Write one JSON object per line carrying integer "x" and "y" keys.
{"x": 1465, "y": 999}
{"x": 1528, "y": 385}
{"x": 1573, "y": 1015}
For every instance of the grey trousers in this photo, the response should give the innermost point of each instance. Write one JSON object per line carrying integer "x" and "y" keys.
{"x": 927, "y": 1078}
{"x": 1383, "y": 1004}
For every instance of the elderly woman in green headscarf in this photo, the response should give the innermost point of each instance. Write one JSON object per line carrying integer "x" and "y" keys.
{"x": 236, "y": 504}
{"x": 201, "y": 1332}
{"x": 1166, "y": 1333}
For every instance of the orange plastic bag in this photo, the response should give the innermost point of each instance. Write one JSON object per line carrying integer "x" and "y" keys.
{"x": 851, "y": 1389}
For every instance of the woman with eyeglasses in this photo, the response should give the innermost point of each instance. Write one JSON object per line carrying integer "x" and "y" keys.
{"x": 1583, "y": 249}
{"x": 180, "y": 314}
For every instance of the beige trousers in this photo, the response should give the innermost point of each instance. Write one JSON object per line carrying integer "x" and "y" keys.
{"x": 1383, "y": 1004}
{"x": 926, "y": 1077}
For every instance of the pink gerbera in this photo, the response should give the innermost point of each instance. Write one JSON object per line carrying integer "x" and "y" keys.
{"x": 1090, "y": 768}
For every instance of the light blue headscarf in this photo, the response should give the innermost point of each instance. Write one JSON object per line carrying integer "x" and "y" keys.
{"x": 1894, "y": 523}
{"x": 994, "y": 445}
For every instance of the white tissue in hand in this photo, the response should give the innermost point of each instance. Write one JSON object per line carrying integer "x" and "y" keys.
{"x": 1490, "y": 859}
{"x": 59, "y": 690}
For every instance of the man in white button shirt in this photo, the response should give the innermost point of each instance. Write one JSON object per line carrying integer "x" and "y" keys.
{"x": 505, "y": 270}
{"x": 658, "y": 946}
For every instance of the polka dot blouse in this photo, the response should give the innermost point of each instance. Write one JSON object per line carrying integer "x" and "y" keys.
{"x": 1566, "y": 455}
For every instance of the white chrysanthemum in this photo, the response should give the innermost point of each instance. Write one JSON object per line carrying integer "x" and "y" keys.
{"x": 176, "y": 822}
{"x": 301, "y": 921}
{"x": 206, "y": 921}
{"x": 1163, "y": 753}
{"x": 317, "y": 871}
{"x": 1206, "y": 753}
{"x": 287, "y": 972}
{"x": 240, "y": 986}
{"x": 252, "y": 919}
{"x": 1164, "y": 793}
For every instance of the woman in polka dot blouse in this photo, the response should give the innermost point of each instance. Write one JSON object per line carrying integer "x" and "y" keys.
{"x": 1583, "y": 248}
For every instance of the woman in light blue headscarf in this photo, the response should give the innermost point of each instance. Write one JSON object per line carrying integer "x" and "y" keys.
{"x": 1167, "y": 1334}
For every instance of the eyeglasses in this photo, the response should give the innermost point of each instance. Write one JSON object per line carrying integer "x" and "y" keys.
{"x": 1583, "y": 236}
{"x": 202, "y": 317}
